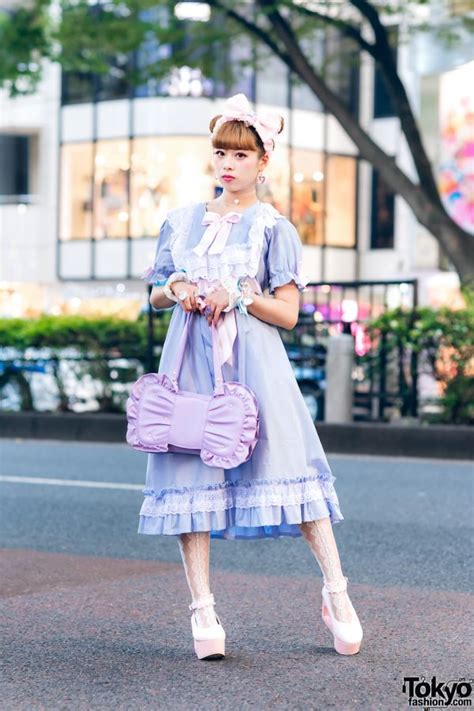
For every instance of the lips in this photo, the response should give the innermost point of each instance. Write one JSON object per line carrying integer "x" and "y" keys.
{"x": 228, "y": 178}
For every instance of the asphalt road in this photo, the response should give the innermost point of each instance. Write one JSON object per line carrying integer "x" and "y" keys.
{"x": 95, "y": 616}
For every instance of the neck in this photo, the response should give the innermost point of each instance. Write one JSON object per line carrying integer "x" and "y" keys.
{"x": 240, "y": 197}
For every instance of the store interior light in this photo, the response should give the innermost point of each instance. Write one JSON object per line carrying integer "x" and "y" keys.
{"x": 120, "y": 288}
{"x": 325, "y": 288}
{"x": 195, "y": 11}
{"x": 318, "y": 176}
{"x": 350, "y": 310}
{"x": 298, "y": 177}
{"x": 195, "y": 87}
{"x": 21, "y": 208}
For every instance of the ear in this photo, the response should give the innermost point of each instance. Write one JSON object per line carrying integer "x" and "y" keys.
{"x": 263, "y": 161}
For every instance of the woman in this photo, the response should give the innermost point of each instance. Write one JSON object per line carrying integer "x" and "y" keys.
{"x": 216, "y": 259}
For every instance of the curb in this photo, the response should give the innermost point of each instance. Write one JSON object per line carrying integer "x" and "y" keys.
{"x": 429, "y": 441}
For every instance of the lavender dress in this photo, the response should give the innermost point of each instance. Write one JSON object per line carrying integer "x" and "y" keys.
{"x": 287, "y": 480}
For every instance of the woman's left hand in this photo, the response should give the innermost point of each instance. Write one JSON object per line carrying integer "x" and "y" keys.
{"x": 215, "y": 303}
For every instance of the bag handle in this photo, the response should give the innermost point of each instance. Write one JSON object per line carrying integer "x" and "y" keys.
{"x": 219, "y": 381}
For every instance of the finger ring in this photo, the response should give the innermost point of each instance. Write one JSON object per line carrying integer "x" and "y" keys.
{"x": 182, "y": 295}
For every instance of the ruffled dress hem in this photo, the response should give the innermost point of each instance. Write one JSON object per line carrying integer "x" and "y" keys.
{"x": 241, "y": 510}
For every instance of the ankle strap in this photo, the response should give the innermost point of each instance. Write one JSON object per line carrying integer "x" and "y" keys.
{"x": 336, "y": 586}
{"x": 203, "y": 601}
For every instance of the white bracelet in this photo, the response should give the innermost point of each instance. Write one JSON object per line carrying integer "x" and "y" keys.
{"x": 175, "y": 276}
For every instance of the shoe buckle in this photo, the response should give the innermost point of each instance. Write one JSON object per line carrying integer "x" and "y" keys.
{"x": 204, "y": 601}
{"x": 337, "y": 585}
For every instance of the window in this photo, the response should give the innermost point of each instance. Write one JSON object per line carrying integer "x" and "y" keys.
{"x": 308, "y": 186}
{"x": 111, "y": 176}
{"x": 383, "y": 207}
{"x": 76, "y": 191}
{"x": 324, "y": 198}
{"x": 14, "y": 167}
{"x": 341, "y": 201}
{"x": 77, "y": 87}
{"x": 113, "y": 84}
{"x": 342, "y": 68}
{"x": 243, "y": 79}
{"x": 272, "y": 81}
{"x": 128, "y": 187}
{"x": 277, "y": 176}
{"x": 166, "y": 173}
{"x": 383, "y": 107}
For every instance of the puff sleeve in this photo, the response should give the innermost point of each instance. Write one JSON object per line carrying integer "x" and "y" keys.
{"x": 163, "y": 265}
{"x": 284, "y": 257}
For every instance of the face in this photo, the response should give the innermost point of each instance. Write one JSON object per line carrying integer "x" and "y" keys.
{"x": 241, "y": 166}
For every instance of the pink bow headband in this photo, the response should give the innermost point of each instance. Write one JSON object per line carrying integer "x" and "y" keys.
{"x": 266, "y": 123}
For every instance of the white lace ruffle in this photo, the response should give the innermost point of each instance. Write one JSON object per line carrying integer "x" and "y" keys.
{"x": 235, "y": 261}
{"x": 240, "y": 494}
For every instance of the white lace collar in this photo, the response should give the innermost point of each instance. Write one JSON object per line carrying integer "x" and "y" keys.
{"x": 236, "y": 259}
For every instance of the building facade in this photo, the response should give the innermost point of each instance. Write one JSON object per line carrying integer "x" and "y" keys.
{"x": 91, "y": 166}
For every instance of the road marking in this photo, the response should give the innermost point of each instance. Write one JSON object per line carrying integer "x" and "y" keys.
{"x": 70, "y": 482}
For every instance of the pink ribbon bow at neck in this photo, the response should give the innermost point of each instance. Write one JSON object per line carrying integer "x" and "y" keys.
{"x": 215, "y": 237}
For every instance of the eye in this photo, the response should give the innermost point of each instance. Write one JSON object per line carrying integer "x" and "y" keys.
{"x": 244, "y": 155}
{"x": 218, "y": 152}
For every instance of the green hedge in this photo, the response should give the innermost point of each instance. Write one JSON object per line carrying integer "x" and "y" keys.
{"x": 97, "y": 342}
{"x": 444, "y": 338}
{"x": 90, "y": 335}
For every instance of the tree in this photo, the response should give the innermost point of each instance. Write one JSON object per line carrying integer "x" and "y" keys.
{"x": 84, "y": 37}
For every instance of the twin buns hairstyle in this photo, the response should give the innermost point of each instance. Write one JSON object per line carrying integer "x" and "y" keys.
{"x": 237, "y": 134}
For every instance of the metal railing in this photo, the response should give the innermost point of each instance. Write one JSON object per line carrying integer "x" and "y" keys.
{"x": 383, "y": 380}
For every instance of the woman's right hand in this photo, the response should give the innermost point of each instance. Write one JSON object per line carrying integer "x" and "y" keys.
{"x": 189, "y": 303}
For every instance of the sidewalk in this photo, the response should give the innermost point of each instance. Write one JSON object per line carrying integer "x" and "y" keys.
{"x": 96, "y": 633}
{"x": 432, "y": 441}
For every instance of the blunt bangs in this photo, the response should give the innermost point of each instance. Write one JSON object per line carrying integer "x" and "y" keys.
{"x": 235, "y": 135}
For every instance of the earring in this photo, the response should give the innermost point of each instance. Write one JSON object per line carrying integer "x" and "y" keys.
{"x": 216, "y": 176}
{"x": 261, "y": 178}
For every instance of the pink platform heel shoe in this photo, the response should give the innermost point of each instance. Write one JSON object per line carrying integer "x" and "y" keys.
{"x": 347, "y": 635}
{"x": 209, "y": 642}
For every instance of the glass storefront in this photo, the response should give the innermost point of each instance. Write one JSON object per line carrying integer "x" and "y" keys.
{"x": 167, "y": 172}
{"x": 76, "y": 191}
{"x": 341, "y": 201}
{"x": 308, "y": 186}
{"x": 111, "y": 189}
{"x": 125, "y": 187}
{"x": 324, "y": 198}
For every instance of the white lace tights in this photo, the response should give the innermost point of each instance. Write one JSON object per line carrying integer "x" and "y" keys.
{"x": 194, "y": 548}
{"x": 320, "y": 537}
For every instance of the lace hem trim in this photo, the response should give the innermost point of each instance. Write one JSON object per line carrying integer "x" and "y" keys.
{"x": 240, "y": 494}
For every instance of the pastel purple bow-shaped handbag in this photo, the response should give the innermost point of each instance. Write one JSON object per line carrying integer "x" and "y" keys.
{"x": 222, "y": 428}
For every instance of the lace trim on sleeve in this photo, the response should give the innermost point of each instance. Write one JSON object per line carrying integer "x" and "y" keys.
{"x": 283, "y": 276}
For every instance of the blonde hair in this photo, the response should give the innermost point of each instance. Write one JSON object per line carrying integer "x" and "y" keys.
{"x": 235, "y": 134}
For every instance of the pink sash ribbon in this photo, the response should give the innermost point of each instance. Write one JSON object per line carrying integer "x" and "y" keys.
{"x": 226, "y": 333}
